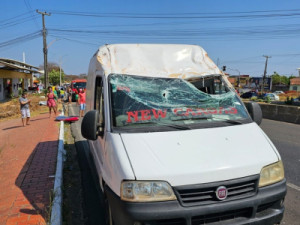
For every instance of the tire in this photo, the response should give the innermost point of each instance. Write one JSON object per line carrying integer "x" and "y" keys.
{"x": 108, "y": 214}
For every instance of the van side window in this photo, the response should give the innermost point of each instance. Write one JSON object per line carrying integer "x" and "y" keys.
{"x": 99, "y": 99}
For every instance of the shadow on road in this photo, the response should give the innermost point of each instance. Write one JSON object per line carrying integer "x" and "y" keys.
{"x": 92, "y": 194}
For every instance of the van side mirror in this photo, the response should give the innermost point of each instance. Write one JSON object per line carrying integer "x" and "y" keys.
{"x": 90, "y": 125}
{"x": 254, "y": 111}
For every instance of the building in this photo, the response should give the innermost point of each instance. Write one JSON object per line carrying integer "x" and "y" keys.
{"x": 15, "y": 75}
{"x": 295, "y": 84}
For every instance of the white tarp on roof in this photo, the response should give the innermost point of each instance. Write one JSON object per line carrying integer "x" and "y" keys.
{"x": 158, "y": 60}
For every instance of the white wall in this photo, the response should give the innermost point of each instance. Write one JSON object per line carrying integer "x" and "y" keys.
{"x": 1, "y": 89}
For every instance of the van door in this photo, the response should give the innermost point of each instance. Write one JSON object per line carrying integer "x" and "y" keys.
{"x": 98, "y": 146}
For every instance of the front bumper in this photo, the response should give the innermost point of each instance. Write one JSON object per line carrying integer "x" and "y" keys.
{"x": 262, "y": 209}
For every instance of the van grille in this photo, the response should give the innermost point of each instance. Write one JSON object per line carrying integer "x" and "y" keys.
{"x": 171, "y": 222}
{"x": 192, "y": 195}
{"x": 223, "y": 217}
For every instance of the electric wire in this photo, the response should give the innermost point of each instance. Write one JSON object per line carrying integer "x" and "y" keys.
{"x": 27, "y": 3}
{"x": 23, "y": 38}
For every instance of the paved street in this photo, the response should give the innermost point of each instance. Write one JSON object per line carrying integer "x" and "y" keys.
{"x": 286, "y": 138}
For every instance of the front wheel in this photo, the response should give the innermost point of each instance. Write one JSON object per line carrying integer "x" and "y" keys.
{"x": 108, "y": 214}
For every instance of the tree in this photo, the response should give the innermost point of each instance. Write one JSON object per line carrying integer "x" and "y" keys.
{"x": 51, "y": 66}
{"x": 279, "y": 79}
{"x": 54, "y": 77}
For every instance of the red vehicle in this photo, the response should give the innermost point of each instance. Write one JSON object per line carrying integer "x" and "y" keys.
{"x": 76, "y": 85}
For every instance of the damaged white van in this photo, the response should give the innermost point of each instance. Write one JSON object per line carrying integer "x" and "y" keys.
{"x": 173, "y": 144}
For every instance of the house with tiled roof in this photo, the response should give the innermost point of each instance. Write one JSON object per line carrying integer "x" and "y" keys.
{"x": 295, "y": 84}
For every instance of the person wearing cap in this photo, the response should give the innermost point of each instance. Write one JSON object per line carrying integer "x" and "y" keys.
{"x": 25, "y": 111}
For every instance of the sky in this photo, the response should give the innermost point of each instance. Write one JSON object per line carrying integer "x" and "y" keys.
{"x": 235, "y": 33}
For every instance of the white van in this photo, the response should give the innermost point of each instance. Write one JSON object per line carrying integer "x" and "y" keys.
{"x": 173, "y": 144}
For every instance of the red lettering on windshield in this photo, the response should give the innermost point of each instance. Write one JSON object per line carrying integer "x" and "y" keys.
{"x": 122, "y": 88}
{"x": 145, "y": 114}
{"x": 132, "y": 114}
{"x": 160, "y": 113}
{"x": 189, "y": 111}
{"x": 175, "y": 111}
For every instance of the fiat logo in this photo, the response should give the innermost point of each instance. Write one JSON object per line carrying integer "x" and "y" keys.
{"x": 221, "y": 193}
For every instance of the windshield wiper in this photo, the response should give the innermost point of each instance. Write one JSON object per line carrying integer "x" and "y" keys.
{"x": 176, "y": 126}
{"x": 193, "y": 118}
{"x": 231, "y": 121}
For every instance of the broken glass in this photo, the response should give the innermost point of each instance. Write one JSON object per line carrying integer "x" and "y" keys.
{"x": 153, "y": 101}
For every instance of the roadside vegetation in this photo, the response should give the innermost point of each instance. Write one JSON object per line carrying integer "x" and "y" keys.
{"x": 10, "y": 109}
{"x": 72, "y": 191}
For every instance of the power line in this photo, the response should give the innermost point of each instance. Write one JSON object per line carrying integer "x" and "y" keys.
{"x": 24, "y": 38}
{"x": 224, "y": 15}
{"x": 27, "y": 3}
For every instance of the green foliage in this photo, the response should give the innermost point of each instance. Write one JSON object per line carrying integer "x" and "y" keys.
{"x": 253, "y": 98}
{"x": 280, "y": 79}
{"x": 54, "y": 77}
{"x": 267, "y": 99}
{"x": 20, "y": 91}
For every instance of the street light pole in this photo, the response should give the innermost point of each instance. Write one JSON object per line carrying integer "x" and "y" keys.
{"x": 60, "y": 63}
{"x": 265, "y": 73}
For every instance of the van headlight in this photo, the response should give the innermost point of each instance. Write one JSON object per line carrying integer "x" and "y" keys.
{"x": 146, "y": 191}
{"x": 271, "y": 174}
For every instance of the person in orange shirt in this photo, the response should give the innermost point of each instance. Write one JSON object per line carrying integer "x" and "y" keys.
{"x": 81, "y": 101}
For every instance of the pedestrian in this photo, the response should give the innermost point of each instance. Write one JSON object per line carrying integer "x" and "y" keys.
{"x": 81, "y": 100}
{"x": 69, "y": 94}
{"x": 51, "y": 101}
{"x": 62, "y": 93}
{"x": 57, "y": 93}
{"x": 25, "y": 111}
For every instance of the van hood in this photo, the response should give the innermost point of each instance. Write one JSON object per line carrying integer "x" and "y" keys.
{"x": 201, "y": 155}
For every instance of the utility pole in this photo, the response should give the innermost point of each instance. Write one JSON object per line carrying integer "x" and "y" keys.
{"x": 265, "y": 73}
{"x": 45, "y": 49}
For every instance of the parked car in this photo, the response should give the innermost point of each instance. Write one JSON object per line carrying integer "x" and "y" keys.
{"x": 278, "y": 92}
{"x": 272, "y": 96}
{"x": 249, "y": 94}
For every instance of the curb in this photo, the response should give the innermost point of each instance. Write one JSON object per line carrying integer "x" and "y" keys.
{"x": 56, "y": 210}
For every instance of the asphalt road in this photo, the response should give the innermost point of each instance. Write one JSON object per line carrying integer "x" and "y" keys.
{"x": 285, "y": 136}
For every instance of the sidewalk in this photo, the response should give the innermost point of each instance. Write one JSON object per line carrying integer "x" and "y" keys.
{"x": 27, "y": 169}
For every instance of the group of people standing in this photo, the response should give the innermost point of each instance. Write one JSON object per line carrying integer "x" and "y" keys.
{"x": 57, "y": 95}
{"x": 53, "y": 98}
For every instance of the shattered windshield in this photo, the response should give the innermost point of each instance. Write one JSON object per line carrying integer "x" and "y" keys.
{"x": 176, "y": 103}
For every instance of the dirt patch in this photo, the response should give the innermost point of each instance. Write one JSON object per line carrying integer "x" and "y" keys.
{"x": 72, "y": 191}
{"x": 11, "y": 108}
{"x": 289, "y": 94}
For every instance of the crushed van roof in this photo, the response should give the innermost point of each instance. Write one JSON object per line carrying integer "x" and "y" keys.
{"x": 155, "y": 60}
